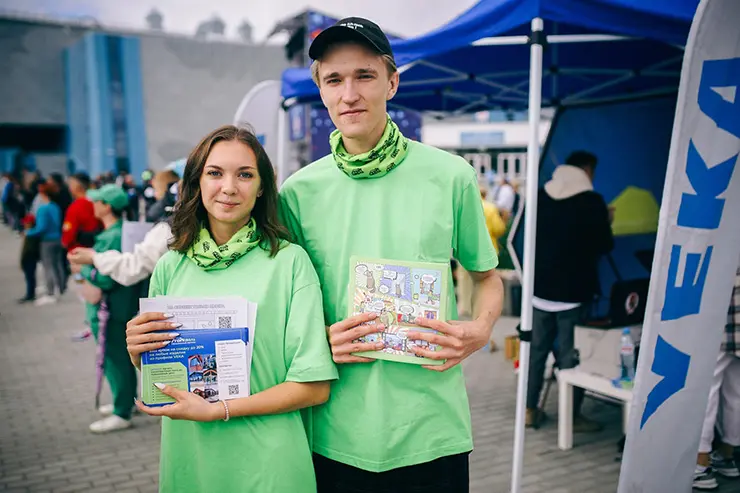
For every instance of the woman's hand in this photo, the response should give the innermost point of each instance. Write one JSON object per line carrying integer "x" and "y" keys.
{"x": 81, "y": 256}
{"x": 142, "y": 335}
{"x": 187, "y": 406}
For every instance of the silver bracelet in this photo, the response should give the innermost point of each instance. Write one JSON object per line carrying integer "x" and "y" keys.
{"x": 226, "y": 409}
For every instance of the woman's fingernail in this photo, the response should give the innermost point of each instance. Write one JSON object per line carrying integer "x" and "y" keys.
{"x": 379, "y": 345}
{"x": 168, "y": 315}
{"x": 373, "y": 315}
{"x": 164, "y": 343}
{"x": 160, "y": 386}
{"x": 173, "y": 334}
{"x": 380, "y": 326}
{"x": 174, "y": 325}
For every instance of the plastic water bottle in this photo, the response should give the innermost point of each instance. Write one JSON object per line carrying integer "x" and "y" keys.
{"x": 627, "y": 356}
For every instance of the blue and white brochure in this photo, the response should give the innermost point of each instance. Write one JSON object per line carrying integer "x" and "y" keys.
{"x": 211, "y": 357}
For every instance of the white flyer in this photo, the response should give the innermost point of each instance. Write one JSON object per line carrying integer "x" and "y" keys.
{"x": 233, "y": 375}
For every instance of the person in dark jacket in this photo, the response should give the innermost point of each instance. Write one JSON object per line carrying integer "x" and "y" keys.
{"x": 59, "y": 192}
{"x": 60, "y": 195}
{"x": 30, "y": 256}
{"x": 573, "y": 232}
{"x": 12, "y": 203}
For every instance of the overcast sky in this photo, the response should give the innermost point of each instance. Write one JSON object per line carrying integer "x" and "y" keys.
{"x": 402, "y": 17}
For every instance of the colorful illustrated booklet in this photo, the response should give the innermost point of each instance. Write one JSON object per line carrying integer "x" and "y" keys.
{"x": 211, "y": 357}
{"x": 399, "y": 292}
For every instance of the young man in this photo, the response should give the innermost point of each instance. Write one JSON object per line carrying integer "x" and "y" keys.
{"x": 573, "y": 232}
{"x": 388, "y": 426}
{"x": 116, "y": 306}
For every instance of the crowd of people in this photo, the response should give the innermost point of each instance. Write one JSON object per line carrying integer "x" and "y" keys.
{"x": 54, "y": 216}
{"x": 337, "y": 421}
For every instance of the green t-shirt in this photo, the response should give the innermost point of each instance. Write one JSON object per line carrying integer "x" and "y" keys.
{"x": 384, "y": 415}
{"x": 272, "y": 453}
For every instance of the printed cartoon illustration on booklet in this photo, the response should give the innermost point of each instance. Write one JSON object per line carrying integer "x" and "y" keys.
{"x": 399, "y": 292}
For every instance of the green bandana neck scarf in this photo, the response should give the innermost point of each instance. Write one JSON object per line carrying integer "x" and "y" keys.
{"x": 209, "y": 256}
{"x": 379, "y": 161}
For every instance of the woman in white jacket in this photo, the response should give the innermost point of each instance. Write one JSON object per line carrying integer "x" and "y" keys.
{"x": 128, "y": 268}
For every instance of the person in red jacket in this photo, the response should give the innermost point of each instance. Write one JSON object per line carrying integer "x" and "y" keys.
{"x": 80, "y": 224}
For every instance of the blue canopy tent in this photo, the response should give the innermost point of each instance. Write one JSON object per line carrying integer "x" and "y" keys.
{"x": 479, "y": 60}
{"x": 581, "y": 53}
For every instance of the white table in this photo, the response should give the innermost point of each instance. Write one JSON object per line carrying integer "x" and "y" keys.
{"x": 567, "y": 379}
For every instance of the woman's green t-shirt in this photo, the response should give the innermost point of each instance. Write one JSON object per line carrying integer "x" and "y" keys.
{"x": 272, "y": 453}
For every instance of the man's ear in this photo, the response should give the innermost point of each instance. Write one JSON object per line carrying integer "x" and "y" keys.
{"x": 393, "y": 86}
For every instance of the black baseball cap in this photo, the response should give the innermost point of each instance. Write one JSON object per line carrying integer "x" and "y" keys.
{"x": 351, "y": 29}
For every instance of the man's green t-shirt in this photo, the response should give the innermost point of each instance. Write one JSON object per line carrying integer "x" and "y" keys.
{"x": 384, "y": 415}
{"x": 256, "y": 453}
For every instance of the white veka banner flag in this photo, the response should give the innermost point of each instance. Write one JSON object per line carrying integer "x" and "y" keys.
{"x": 695, "y": 260}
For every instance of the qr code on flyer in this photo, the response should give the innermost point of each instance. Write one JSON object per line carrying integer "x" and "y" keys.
{"x": 224, "y": 322}
{"x": 234, "y": 389}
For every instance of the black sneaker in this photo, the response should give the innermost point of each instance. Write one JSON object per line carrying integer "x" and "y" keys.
{"x": 725, "y": 467}
{"x": 26, "y": 300}
{"x": 704, "y": 479}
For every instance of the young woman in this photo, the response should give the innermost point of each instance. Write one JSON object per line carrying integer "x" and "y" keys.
{"x": 227, "y": 241}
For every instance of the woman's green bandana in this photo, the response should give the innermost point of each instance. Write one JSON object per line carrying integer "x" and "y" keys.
{"x": 209, "y": 256}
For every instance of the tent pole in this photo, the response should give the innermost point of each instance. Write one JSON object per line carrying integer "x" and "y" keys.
{"x": 282, "y": 144}
{"x": 530, "y": 229}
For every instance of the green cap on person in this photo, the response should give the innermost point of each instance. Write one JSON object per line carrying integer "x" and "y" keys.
{"x": 110, "y": 194}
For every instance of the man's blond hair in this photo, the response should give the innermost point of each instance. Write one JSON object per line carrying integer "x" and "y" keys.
{"x": 390, "y": 65}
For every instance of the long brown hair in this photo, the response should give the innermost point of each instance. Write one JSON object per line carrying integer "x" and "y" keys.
{"x": 190, "y": 214}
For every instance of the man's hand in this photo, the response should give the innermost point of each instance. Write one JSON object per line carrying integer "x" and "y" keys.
{"x": 343, "y": 337}
{"x": 457, "y": 339}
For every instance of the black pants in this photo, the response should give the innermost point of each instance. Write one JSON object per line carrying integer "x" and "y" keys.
{"x": 444, "y": 475}
{"x": 29, "y": 270}
{"x": 546, "y": 327}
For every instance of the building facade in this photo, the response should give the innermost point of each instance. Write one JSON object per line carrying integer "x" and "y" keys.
{"x": 108, "y": 100}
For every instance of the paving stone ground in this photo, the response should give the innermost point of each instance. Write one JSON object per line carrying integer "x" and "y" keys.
{"x": 47, "y": 403}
